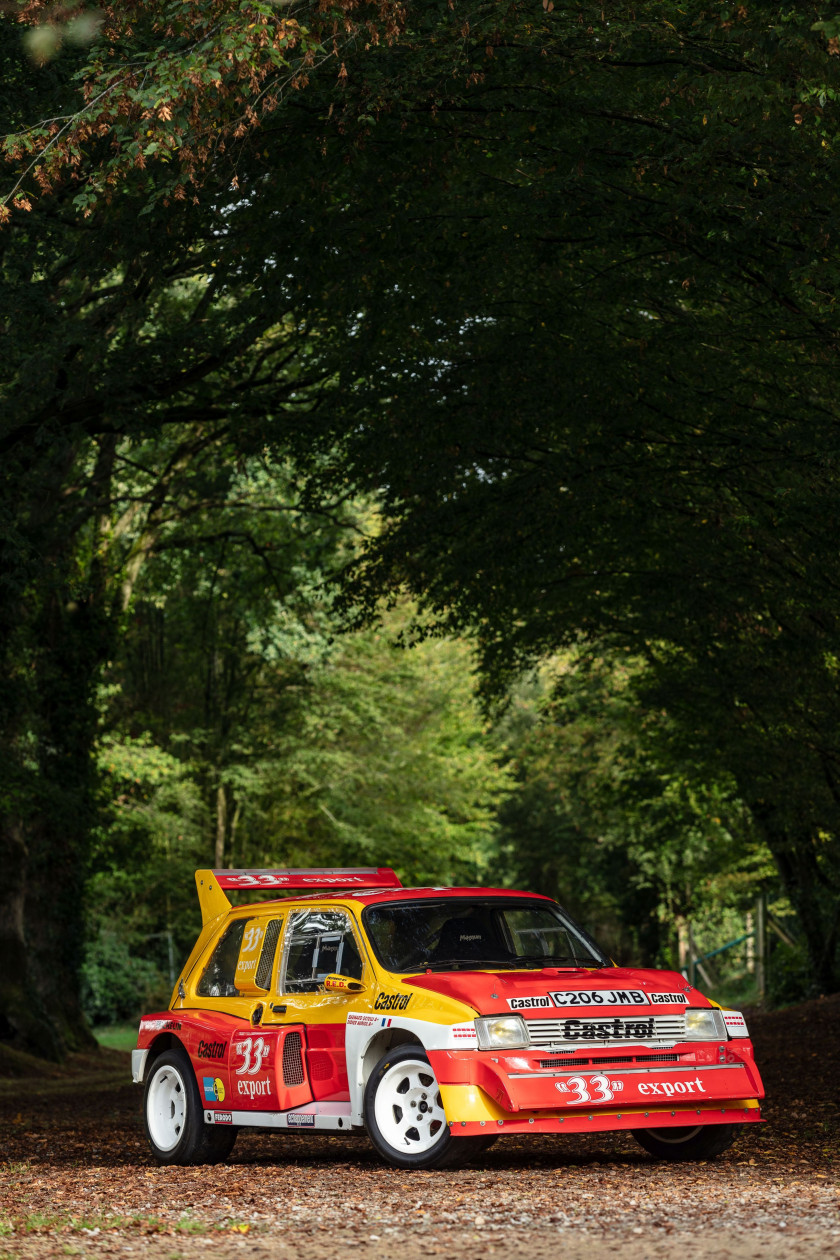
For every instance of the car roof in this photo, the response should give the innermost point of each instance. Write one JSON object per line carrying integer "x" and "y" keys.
{"x": 379, "y": 896}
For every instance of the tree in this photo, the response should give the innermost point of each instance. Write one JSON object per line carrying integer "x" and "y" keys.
{"x": 558, "y": 285}
{"x": 615, "y": 817}
{"x": 608, "y": 286}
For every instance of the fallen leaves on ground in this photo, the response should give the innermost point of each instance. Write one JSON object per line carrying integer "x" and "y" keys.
{"x": 77, "y": 1177}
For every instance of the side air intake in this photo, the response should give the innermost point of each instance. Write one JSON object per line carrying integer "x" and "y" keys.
{"x": 293, "y": 1060}
{"x": 262, "y": 979}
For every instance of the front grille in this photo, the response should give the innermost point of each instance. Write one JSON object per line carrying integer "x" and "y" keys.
{"x": 635, "y": 1028}
{"x": 293, "y": 1073}
{"x": 594, "y": 1062}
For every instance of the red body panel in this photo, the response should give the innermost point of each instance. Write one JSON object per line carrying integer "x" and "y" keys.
{"x": 328, "y": 878}
{"x": 236, "y": 1066}
{"x": 327, "y": 1061}
{"x": 492, "y": 993}
{"x": 242, "y": 1067}
{"x": 601, "y": 1080}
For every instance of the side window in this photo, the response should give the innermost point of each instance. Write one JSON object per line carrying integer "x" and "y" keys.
{"x": 219, "y": 975}
{"x": 242, "y": 961}
{"x": 319, "y": 943}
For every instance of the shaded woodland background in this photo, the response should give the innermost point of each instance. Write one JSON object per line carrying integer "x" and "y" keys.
{"x": 419, "y": 446}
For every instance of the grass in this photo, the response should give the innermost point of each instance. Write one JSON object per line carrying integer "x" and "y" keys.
{"x": 737, "y": 992}
{"x": 117, "y": 1036}
{"x": 104, "y": 1222}
{"x": 48, "y": 1223}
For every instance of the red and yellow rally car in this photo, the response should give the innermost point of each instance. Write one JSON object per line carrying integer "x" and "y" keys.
{"x": 434, "y": 1019}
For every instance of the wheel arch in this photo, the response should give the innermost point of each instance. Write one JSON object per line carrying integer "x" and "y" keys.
{"x": 163, "y": 1041}
{"x": 381, "y": 1043}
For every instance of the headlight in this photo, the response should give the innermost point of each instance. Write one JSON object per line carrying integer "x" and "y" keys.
{"x": 502, "y": 1032}
{"x": 704, "y": 1025}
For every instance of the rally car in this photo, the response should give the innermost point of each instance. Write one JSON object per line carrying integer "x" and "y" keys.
{"x": 435, "y": 1020}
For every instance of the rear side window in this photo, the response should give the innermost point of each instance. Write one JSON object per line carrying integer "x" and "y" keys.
{"x": 243, "y": 959}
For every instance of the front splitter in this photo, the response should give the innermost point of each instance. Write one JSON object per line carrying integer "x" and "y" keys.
{"x": 604, "y": 1122}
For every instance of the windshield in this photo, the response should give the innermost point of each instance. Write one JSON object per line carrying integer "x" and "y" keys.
{"x": 476, "y": 934}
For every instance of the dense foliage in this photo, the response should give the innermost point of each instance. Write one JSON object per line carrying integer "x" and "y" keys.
{"x": 552, "y": 289}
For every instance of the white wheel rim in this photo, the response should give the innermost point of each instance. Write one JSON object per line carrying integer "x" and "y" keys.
{"x": 408, "y": 1108}
{"x": 166, "y": 1107}
{"x": 663, "y": 1135}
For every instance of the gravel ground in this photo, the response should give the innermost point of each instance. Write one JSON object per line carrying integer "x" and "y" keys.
{"x": 76, "y": 1179}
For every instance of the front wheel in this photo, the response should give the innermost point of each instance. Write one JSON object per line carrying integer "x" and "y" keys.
{"x": 174, "y": 1117}
{"x": 697, "y": 1142}
{"x": 405, "y": 1117}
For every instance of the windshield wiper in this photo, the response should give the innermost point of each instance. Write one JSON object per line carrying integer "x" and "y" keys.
{"x": 471, "y": 964}
{"x": 553, "y": 960}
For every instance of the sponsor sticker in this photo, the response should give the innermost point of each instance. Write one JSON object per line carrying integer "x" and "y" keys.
{"x": 668, "y": 999}
{"x": 599, "y": 997}
{"x": 617, "y": 1028}
{"x": 392, "y": 1001}
{"x": 214, "y": 1090}
{"x": 538, "y": 1001}
{"x": 158, "y": 1025}
{"x": 602, "y": 1089}
{"x": 254, "y": 1089}
{"x": 224, "y": 1117}
{"x": 595, "y": 1089}
{"x": 303, "y": 1119}
{"x": 254, "y": 1052}
{"x": 668, "y": 1089}
{"x": 211, "y": 1049}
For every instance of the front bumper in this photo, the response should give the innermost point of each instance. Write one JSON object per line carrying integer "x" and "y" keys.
{"x": 138, "y": 1065}
{"x": 528, "y": 1091}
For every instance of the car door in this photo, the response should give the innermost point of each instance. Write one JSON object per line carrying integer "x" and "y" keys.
{"x": 320, "y": 941}
{"x": 236, "y": 1060}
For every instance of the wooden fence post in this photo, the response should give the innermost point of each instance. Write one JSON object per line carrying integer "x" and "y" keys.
{"x": 761, "y": 946}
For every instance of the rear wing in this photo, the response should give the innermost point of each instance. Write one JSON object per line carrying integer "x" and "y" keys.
{"x": 212, "y": 884}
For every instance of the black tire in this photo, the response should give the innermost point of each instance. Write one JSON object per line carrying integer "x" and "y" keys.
{"x": 403, "y": 1136}
{"x": 173, "y": 1116}
{"x": 702, "y": 1141}
{"x": 219, "y": 1140}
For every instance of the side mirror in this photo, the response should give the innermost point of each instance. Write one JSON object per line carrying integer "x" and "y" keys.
{"x": 342, "y": 984}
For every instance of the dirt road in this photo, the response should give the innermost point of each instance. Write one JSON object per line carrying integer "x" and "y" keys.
{"x": 76, "y": 1179}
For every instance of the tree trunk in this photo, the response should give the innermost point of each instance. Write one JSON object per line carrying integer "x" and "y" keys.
{"x": 25, "y": 1023}
{"x": 221, "y": 826}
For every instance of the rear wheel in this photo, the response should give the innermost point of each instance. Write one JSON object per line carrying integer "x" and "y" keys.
{"x": 695, "y": 1142}
{"x": 173, "y": 1116}
{"x": 405, "y": 1117}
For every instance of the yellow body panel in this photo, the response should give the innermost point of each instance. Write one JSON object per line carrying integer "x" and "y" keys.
{"x": 383, "y": 993}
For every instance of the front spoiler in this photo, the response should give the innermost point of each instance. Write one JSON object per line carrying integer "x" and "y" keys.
{"x": 520, "y": 1094}
{"x": 744, "y": 1111}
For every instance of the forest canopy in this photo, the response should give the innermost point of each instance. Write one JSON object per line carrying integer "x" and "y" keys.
{"x": 505, "y": 329}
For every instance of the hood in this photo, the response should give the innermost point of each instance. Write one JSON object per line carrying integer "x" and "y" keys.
{"x": 547, "y": 993}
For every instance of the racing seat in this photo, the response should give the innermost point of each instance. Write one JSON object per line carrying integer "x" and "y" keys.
{"x": 469, "y": 939}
